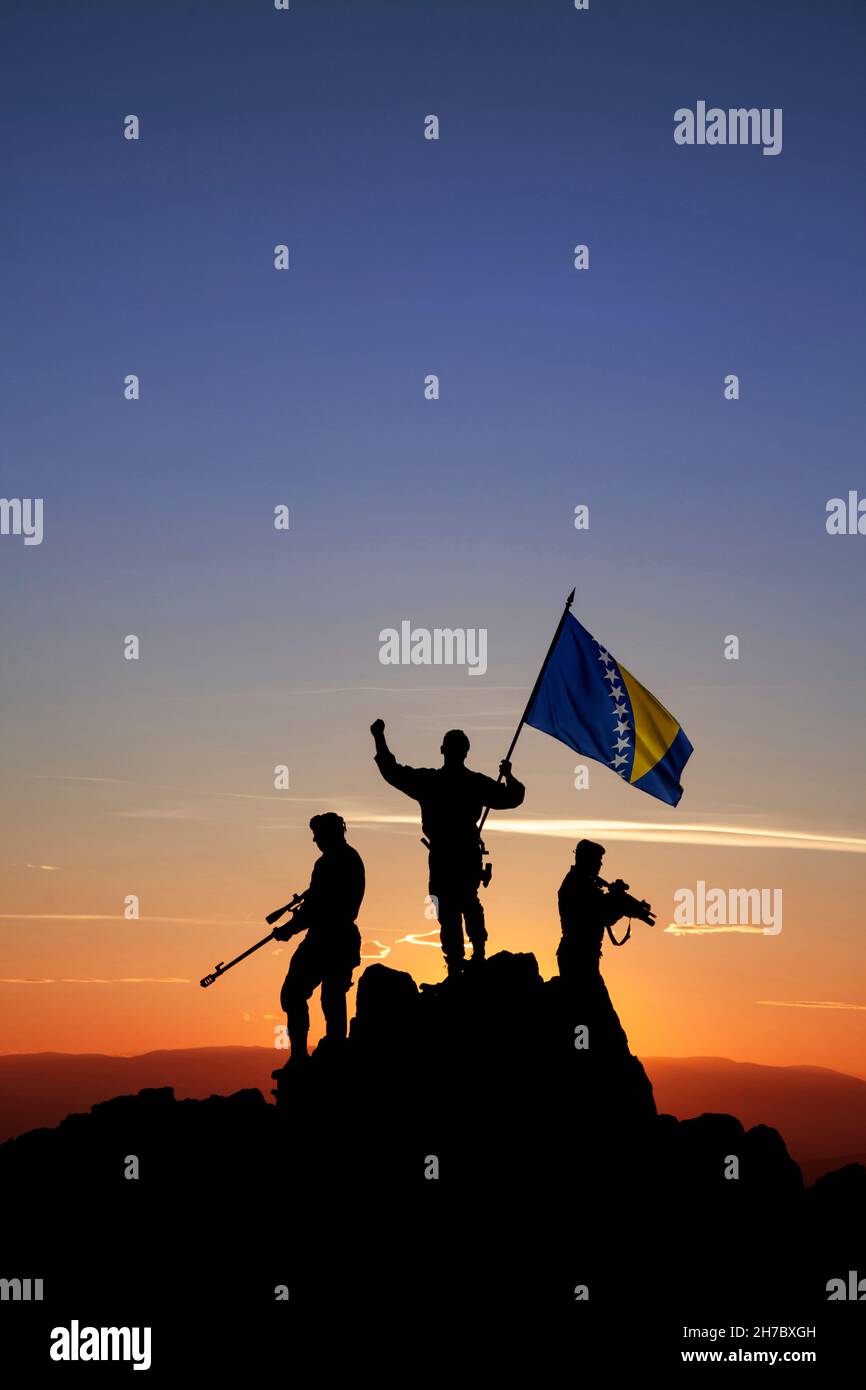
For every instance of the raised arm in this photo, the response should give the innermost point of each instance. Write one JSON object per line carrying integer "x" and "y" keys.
{"x": 377, "y": 729}
{"x": 405, "y": 779}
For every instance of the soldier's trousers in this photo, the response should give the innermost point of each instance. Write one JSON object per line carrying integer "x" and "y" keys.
{"x": 327, "y": 959}
{"x": 454, "y": 883}
{"x": 579, "y": 965}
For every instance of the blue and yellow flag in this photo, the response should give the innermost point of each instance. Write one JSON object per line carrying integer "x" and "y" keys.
{"x": 590, "y": 702}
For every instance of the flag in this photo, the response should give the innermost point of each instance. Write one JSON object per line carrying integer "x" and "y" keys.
{"x": 590, "y": 702}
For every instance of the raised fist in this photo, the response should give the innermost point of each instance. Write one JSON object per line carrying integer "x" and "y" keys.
{"x": 377, "y": 727}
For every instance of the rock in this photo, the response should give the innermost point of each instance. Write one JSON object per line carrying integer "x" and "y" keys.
{"x": 385, "y": 1007}
{"x": 459, "y": 1141}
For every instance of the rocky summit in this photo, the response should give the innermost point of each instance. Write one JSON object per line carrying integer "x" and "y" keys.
{"x": 491, "y": 1140}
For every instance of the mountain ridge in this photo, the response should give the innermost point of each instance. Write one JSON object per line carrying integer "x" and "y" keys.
{"x": 794, "y": 1097}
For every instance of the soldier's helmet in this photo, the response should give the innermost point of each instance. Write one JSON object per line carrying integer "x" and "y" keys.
{"x": 328, "y": 828}
{"x": 455, "y": 744}
{"x": 588, "y": 855}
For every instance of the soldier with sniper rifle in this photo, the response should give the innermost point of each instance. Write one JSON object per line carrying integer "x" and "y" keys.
{"x": 331, "y": 950}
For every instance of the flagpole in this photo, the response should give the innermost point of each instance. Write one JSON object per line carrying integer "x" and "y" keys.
{"x": 560, "y": 625}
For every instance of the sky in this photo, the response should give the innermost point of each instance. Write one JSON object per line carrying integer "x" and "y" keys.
{"x": 305, "y": 388}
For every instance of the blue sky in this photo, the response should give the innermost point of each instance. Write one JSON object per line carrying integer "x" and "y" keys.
{"x": 306, "y": 388}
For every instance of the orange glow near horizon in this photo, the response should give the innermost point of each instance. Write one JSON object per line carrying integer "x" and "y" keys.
{"x": 83, "y": 981}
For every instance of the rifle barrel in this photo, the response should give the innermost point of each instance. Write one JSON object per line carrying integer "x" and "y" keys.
{"x": 270, "y": 919}
{"x": 221, "y": 969}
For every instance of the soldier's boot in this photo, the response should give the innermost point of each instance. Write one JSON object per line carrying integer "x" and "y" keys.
{"x": 297, "y": 1059}
{"x": 297, "y": 1054}
{"x": 285, "y": 1076}
{"x": 454, "y": 966}
{"x": 298, "y": 1044}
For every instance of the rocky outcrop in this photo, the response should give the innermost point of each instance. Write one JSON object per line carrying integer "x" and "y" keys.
{"x": 493, "y": 1137}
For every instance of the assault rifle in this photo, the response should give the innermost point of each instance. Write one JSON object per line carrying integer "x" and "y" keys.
{"x": 627, "y": 906}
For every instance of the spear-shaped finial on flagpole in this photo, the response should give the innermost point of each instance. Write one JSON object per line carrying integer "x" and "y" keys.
{"x": 561, "y": 624}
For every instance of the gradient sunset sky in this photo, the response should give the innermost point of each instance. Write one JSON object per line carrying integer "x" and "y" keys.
{"x": 604, "y": 387}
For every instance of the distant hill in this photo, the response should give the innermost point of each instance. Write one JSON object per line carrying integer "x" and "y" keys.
{"x": 821, "y": 1113}
{"x": 39, "y": 1089}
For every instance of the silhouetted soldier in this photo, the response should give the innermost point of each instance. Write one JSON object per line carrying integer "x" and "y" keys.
{"x": 589, "y": 907}
{"x": 452, "y": 799}
{"x": 332, "y": 947}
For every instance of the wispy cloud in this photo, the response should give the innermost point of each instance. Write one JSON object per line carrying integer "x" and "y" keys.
{"x": 28, "y": 982}
{"x": 420, "y": 938}
{"x": 635, "y": 832}
{"x": 88, "y": 980}
{"x": 118, "y": 917}
{"x": 379, "y": 954}
{"x": 46, "y": 868}
{"x": 654, "y": 832}
{"x": 810, "y": 1004}
{"x": 689, "y": 929}
{"x": 433, "y": 690}
{"x": 468, "y": 726}
{"x": 74, "y": 777}
{"x": 171, "y": 787}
